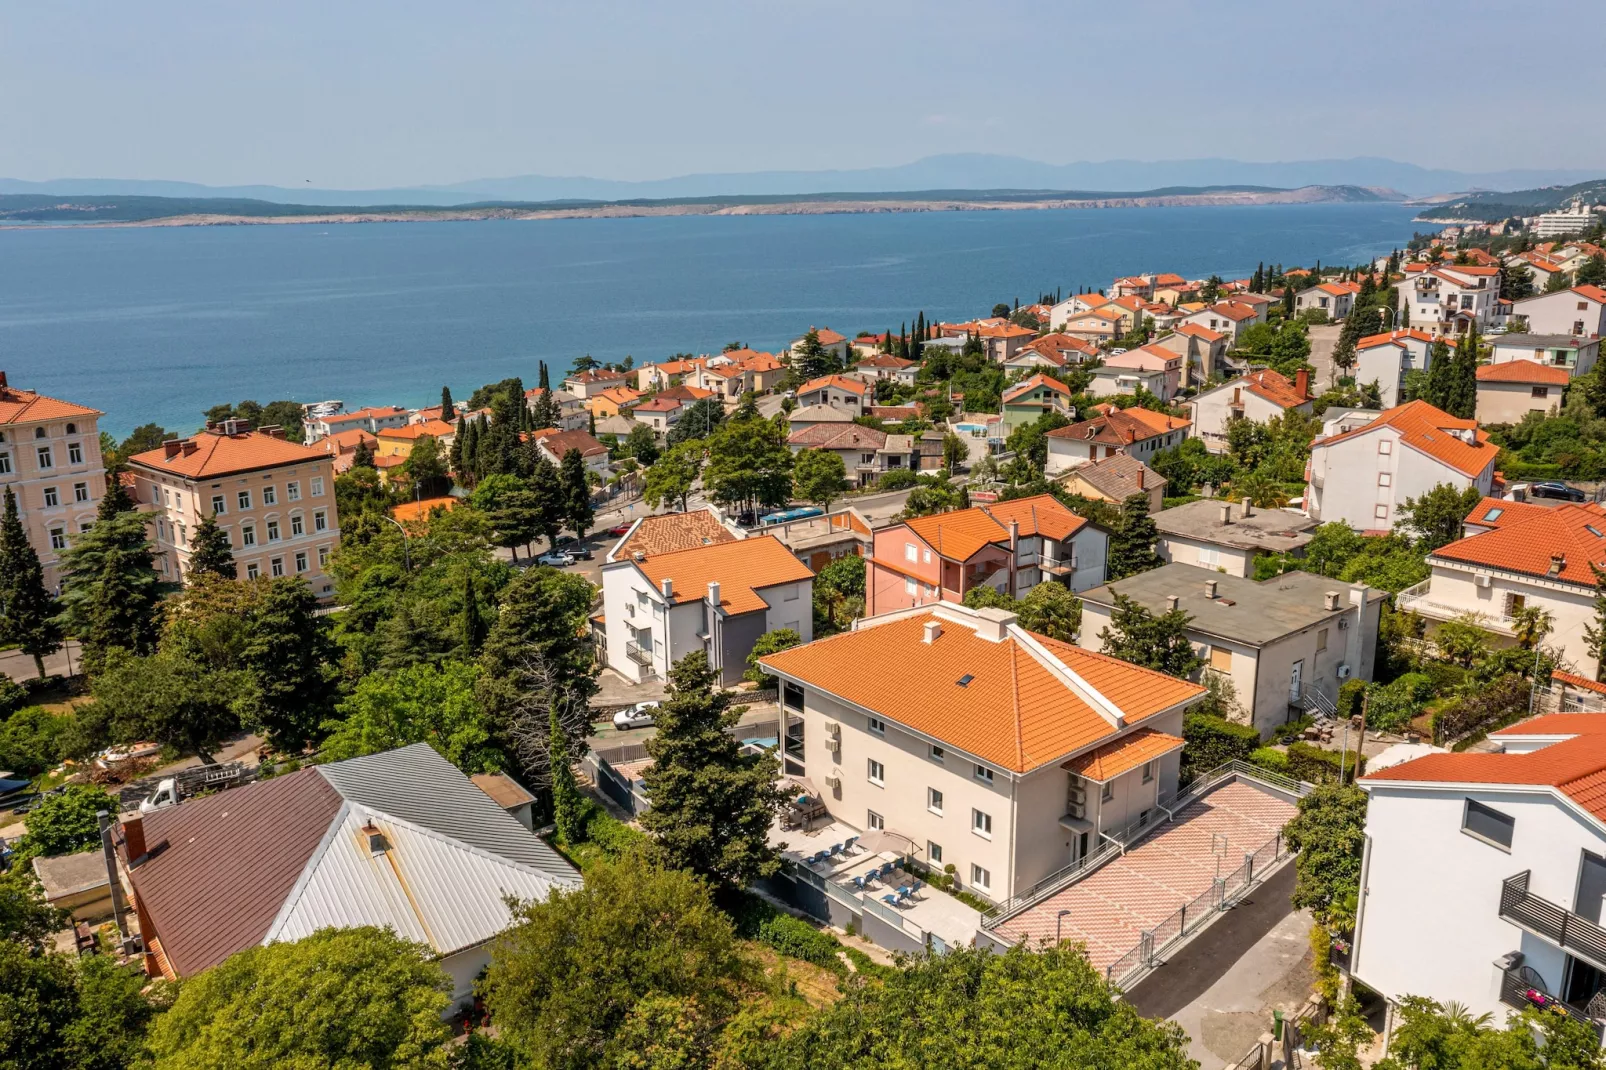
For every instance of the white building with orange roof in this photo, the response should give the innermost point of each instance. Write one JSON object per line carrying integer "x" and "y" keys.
{"x": 1450, "y": 299}
{"x": 1004, "y": 340}
{"x": 1364, "y": 464}
{"x": 372, "y": 420}
{"x": 832, "y": 342}
{"x": 1134, "y": 432}
{"x": 50, "y": 459}
{"x": 1510, "y": 390}
{"x": 1530, "y": 556}
{"x": 1508, "y": 851}
{"x": 1333, "y": 298}
{"x": 274, "y": 499}
{"x": 1153, "y": 369}
{"x": 1261, "y": 395}
{"x": 712, "y": 594}
{"x": 1103, "y": 324}
{"x": 848, "y": 393}
{"x": 592, "y": 381}
{"x": 962, "y": 735}
{"x": 1203, "y": 350}
{"x": 1072, "y": 306}
{"x": 887, "y": 366}
{"x": 1051, "y": 351}
{"x": 1133, "y": 286}
{"x": 667, "y": 373}
{"x": 1228, "y": 317}
{"x": 1580, "y": 311}
{"x": 1386, "y": 358}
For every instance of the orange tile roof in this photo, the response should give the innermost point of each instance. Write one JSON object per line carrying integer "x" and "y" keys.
{"x": 1131, "y": 302}
{"x": 841, "y": 382}
{"x": 1505, "y": 512}
{"x": 1200, "y": 331}
{"x": 1122, "y": 426}
{"x": 1394, "y": 338}
{"x": 1522, "y": 371}
{"x": 374, "y": 412}
{"x": 961, "y": 534}
{"x": 1426, "y": 430}
{"x": 1474, "y": 270}
{"x": 432, "y": 428}
{"x": 216, "y": 454}
{"x": 27, "y": 406}
{"x": 1168, "y": 279}
{"x": 619, "y": 395}
{"x": 828, "y": 337}
{"x": 1274, "y": 387}
{"x": 1562, "y": 724}
{"x": 1124, "y": 755}
{"x": 884, "y": 360}
{"x": 660, "y": 404}
{"x": 762, "y": 362}
{"x": 672, "y": 532}
{"x": 420, "y": 510}
{"x": 685, "y": 393}
{"x": 1594, "y": 293}
{"x": 1026, "y": 386}
{"x": 1018, "y": 710}
{"x": 741, "y": 568}
{"x": 1005, "y": 330}
{"x": 1529, "y": 544}
{"x": 597, "y": 375}
{"x": 1234, "y": 311}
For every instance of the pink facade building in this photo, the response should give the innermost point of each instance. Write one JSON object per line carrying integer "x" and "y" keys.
{"x": 50, "y": 458}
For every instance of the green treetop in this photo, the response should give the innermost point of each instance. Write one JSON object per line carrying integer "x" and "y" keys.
{"x": 1155, "y": 642}
{"x": 210, "y": 554}
{"x": 27, "y": 612}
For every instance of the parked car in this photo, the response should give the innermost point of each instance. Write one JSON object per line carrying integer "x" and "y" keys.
{"x": 637, "y": 716}
{"x": 618, "y": 529}
{"x": 1558, "y": 491}
{"x": 579, "y": 553}
{"x": 556, "y": 558}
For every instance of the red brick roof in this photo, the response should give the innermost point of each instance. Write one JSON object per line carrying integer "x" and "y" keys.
{"x": 1427, "y": 430}
{"x": 1574, "y": 533}
{"x": 27, "y": 406}
{"x": 1522, "y": 371}
{"x": 561, "y": 442}
{"x": 1122, "y": 426}
{"x": 210, "y": 454}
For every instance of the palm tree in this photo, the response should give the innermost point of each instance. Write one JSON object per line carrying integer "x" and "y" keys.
{"x": 1530, "y": 624}
{"x": 1259, "y": 490}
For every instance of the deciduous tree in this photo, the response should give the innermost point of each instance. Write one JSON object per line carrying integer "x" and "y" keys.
{"x": 1051, "y": 609}
{"x": 672, "y": 476}
{"x": 423, "y": 703}
{"x": 819, "y": 476}
{"x": 749, "y": 464}
{"x": 1329, "y": 832}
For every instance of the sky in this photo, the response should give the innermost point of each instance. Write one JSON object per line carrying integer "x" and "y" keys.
{"x": 358, "y": 94}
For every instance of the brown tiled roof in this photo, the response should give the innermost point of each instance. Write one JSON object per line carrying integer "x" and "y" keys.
{"x": 741, "y": 568}
{"x": 218, "y": 869}
{"x": 563, "y": 441}
{"x": 838, "y": 436}
{"x": 673, "y": 531}
{"x": 1122, "y": 426}
{"x": 1118, "y": 477}
{"x": 1274, "y": 387}
{"x": 685, "y": 393}
{"x": 217, "y": 454}
{"x": 26, "y": 406}
{"x": 1522, "y": 371}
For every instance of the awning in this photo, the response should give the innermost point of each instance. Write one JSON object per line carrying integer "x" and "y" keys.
{"x": 878, "y": 840}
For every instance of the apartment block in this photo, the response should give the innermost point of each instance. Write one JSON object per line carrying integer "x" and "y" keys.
{"x": 50, "y": 458}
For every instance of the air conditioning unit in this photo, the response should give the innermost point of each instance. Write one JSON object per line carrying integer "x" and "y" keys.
{"x": 1343, "y": 672}
{"x": 1077, "y": 810}
{"x": 1483, "y": 579}
{"x": 1078, "y": 794}
{"x": 833, "y": 730}
{"x": 1343, "y": 622}
{"x": 833, "y": 782}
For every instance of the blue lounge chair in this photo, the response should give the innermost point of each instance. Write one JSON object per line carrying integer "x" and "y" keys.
{"x": 849, "y": 842}
{"x": 858, "y": 882}
{"x": 836, "y": 849}
{"x": 890, "y": 899}
{"x": 903, "y": 894}
{"x": 916, "y": 886}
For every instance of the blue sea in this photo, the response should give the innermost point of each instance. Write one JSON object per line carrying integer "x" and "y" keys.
{"x": 160, "y": 323}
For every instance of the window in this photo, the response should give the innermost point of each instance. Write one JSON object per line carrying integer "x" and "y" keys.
{"x": 58, "y": 538}
{"x": 1221, "y": 659}
{"x": 908, "y": 586}
{"x": 910, "y": 553}
{"x": 243, "y": 499}
{"x": 934, "y": 852}
{"x": 934, "y": 800}
{"x": 1488, "y": 824}
{"x": 269, "y": 496}
{"x": 792, "y": 695}
{"x": 1321, "y": 639}
{"x": 1209, "y": 557}
{"x": 248, "y": 535}
{"x": 45, "y": 459}
{"x": 292, "y": 490}
{"x": 217, "y": 504}
{"x": 273, "y": 531}
{"x": 80, "y": 492}
{"x": 1514, "y": 603}
{"x": 320, "y": 520}
{"x": 301, "y": 561}
{"x": 1381, "y": 512}
{"x": 1385, "y": 447}
{"x": 1493, "y": 514}
{"x": 937, "y": 753}
{"x": 926, "y": 554}
{"x": 981, "y": 824}
{"x": 1107, "y": 792}
{"x": 873, "y": 820}
{"x": 296, "y": 527}
{"x": 276, "y": 566}
{"x": 180, "y": 537}
{"x": 317, "y": 486}
{"x": 984, "y": 773}
{"x": 1148, "y": 772}
{"x": 52, "y": 497}
{"x": 75, "y": 453}
{"x": 5, "y": 464}
{"x": 878, "y": 773}
{"x": 1385, "y": 479}
{"x": 323, "y": 557}
{"x": 791, "y": 594}
{"x": 878, "y": 726}
{"x": 980, "y": 878}
{"x": 1541, "y": 391}
{"x": 251, "y": 571}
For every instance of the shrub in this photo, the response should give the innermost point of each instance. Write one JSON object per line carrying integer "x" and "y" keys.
{"x": 1396, "y": 705}
{"x": 13, "y": 696}
{"x": 1270, "y": 758}
{"x": 1210, "y": 741}
{"x": 1502, "y": 701}
{"x": 1349, "y": 698}
{"x": 1317, "y": 766}
{"x": 897, "y": 479}
{"x": 31, "y": 740}
{"x": 800, "y": 940}
{"x": 1444, "y": 677}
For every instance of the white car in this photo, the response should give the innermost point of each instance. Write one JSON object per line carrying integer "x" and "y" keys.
{"x": 637, "y": 716}
{"x": 556, "y": 558}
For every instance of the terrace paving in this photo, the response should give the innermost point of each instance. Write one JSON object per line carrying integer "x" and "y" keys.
{"x": 1112, "y": 908}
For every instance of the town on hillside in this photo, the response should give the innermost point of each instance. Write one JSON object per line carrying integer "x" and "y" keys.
{"x": 728, "y": 709}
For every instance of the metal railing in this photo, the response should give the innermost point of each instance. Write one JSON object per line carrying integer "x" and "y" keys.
{"x": 1560, "y": 926}
{"x": 1524, "y": 993}
{"x": 635, "y": 653}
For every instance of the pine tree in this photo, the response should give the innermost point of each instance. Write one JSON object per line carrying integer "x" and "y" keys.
{"x": 289, "y": 655}
{"x": 109, "y": 587}
{"x": 1288, "y": 298}
{"x": 27, "y": 612}
{"x": 1133, "y": 538}
{"x": 578, "y": 511}
{"x": 551, "y": 501}
{"x": 363, "y": 455}
{"x": 209, "y": 552}
{"x": 116, "y": 499}
{"x": 448, "y": 410}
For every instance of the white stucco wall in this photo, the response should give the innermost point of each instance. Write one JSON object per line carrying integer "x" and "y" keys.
{"x": 1508, "y": 403}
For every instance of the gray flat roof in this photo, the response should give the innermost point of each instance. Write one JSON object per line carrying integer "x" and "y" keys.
{"x": 1242, "y": 611}
{"x": 1558, "y": 341}
{"x": 1275, "y": 530}
{"x": 64, "y": 875}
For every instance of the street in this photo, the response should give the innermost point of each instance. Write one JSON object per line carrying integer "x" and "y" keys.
{"x": 19, "y": 666}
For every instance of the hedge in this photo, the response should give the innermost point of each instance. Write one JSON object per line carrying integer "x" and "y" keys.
{"x": 800, "y": 940}
{"x": 1270, "y": 758}
{"x": 1210, "y": 741}
{"x": 1317, "y": 766}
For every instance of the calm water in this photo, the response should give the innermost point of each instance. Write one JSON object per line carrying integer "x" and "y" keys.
{"x": 161, "y": 323}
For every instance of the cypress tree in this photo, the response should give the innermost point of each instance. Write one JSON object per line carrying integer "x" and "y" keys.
{"x": 448, "y": 410}
{"x": 1440, "y": 376}
{"x": 1462, "y": 400}
{"x": 471, "y": 627}
{"x": 210, "y": 553}
{"x": 578, "y": 511}
{"x": 27, "y": 611}
{"x": 917, "y": 345}
{"x": 455, "y": 456}
{"x": 903, "y": 340}
{"x": 568, "y": 809}
{"x": 545, "y": 382}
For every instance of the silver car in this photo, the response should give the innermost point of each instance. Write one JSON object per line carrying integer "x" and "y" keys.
{"x": 637, "y": 716}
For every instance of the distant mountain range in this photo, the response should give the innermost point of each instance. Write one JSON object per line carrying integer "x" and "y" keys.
{"x": 1491, "y": 205}
{"x": 958, "y": 171}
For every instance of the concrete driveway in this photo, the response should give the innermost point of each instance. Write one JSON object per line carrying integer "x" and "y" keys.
{"x": 1323, "y": 339}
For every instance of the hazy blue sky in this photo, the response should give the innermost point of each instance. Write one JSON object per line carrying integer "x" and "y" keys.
{"x": 351, "y": 93}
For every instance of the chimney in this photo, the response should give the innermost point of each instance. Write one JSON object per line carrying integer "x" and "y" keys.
{"x": 1140, "y": 477}
{"x": 1226, "y": 512}
{"x": 171, "y": 447}
{"x": 932, "y": 630}
{"x": 1014, "y": 534}
{"x": 667, "y": 587}
{"x": 272, "y": 431}
{"x": 1330, "y": 600}
{"x": 1557, "y": 563}
{"x": 713, "y": 593}
{"x": 1249, "y": 508}
{"x": 189, "y": 446}
{"x": 1171, "y": 601}
{"x": 1302, "y": 382}
{"x": 993, "y": 623}
{"x": 1210, "y": 589}
{"x": 133, "y": 824}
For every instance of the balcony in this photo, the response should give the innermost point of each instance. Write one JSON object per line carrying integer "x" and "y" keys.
{"x": 1560, "y": 926}
{"x": 1522, "y": 989}
{"x": 637, "y": 654}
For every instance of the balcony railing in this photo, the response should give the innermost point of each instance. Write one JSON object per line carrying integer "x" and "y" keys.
{"x": 1569, "y": 931}
{"x": 1521, "y": 989}
{"x": 635, "y": 653}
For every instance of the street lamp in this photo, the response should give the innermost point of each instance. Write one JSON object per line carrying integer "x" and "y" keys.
{"x": 1059, "y": 919}
{"x": 407, "y": 557}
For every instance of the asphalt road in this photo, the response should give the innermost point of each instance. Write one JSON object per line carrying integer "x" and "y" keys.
{"x": 19, "y": 666}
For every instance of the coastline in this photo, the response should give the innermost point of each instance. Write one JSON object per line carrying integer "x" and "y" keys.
{"x": 867, "y": 206}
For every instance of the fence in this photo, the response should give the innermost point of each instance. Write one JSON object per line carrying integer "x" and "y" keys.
{"x": 1222, "y": 893}
{"x": 616, "y": 786}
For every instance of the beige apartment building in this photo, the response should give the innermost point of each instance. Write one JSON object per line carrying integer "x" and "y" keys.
{"x": 274, "y": 498}
{"x": 50, "y": 458}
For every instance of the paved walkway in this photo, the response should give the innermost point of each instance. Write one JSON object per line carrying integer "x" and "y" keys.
{"x": 19, "y": 666}
{"x": 1223, "y": 986}
{"x": 1111, "y": 909}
